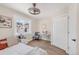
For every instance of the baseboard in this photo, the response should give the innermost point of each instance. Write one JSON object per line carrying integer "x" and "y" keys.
{"x": 45, "y": 40}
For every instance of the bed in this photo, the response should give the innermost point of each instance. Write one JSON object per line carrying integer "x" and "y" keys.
{"x": 22, "y": 49}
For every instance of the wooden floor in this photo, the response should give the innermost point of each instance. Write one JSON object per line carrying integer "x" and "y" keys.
{"x": 52, "y": 50}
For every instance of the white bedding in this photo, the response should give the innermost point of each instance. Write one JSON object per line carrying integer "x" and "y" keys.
{"x": 22, "y": 49}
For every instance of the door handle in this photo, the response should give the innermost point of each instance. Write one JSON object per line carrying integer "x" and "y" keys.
{"x": 74, "y": 40}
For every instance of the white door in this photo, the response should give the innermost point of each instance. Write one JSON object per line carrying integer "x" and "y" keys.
{"x": 72, "y": 36}
{"x": 72, "y": 28}
{"x": 60, "y": 32}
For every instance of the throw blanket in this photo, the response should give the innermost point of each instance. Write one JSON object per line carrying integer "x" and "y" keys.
{"x": 37, "y": 51}
{"x": 22, "y": 49}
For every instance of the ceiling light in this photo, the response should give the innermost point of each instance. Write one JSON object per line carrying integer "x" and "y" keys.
{"x": 33, "y": 10}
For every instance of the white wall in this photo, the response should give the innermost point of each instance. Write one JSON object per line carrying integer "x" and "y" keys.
{"x": 35, "y": 27}
{"x": 10, "y": 32}
{"x": 45, "y": 22}
{"x": 7, "y": 32}
{"x": 78, "y": 29}
{"x": 48, "y": 23}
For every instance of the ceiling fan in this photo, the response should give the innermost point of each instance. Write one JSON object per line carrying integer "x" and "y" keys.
{"x": 33, "y": 10}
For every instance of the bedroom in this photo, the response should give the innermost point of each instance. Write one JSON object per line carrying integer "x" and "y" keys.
{"x": 19, "y": 15}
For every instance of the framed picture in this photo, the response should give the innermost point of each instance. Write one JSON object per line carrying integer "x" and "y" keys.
{"x": 5, "y": 22}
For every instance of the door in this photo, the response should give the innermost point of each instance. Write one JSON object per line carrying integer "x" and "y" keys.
{"x": 72, "y": 35}
{"x": 72, "y": 28}
{"x": 60, "y": 32}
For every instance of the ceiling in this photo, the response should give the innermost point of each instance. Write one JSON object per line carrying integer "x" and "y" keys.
{"x": 47, "y": 9}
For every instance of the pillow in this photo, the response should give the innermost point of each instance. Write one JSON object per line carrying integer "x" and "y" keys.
{"x": 3, "y": 44}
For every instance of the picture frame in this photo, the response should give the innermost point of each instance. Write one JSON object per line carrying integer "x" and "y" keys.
{"x": 5, "y": 22}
